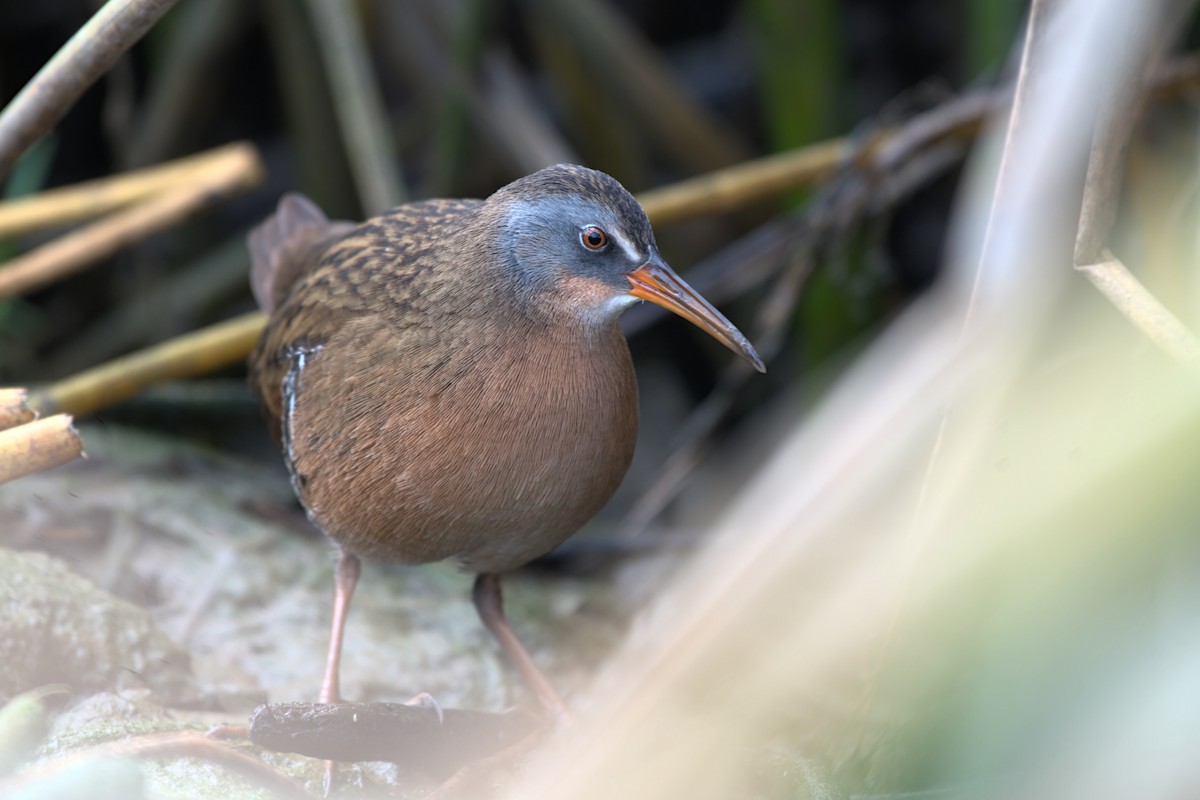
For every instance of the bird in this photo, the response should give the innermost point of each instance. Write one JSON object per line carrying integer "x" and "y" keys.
{"x": 449, "y": 380}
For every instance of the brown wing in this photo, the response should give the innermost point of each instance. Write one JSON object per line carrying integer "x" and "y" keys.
{"x": 317, "y": 276}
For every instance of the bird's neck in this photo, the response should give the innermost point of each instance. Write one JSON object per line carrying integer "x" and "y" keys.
{"x": 575, "y": 306}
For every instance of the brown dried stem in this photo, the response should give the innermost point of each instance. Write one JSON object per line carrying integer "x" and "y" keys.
{"x": 1105, "y": 173}
{"x": 38, "y": 445}
{"x": 14, "y": 410}
{"x": 80, "y": 63}
{"x": 185, "y": 356}
{"x": 842, "y": 203}
{"x": 92, "y": 198}
{"x": 1143, "y": 309}
{"x": 734, "y": 187}
{"x": 239, "y": 169}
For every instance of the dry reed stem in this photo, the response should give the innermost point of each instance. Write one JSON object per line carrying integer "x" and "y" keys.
{"x": 1143, "y": 309}
{"x": 13, "y": 408}
{"x": 1101, "y": 194}
{"x": 733, "y": 187}
{"x": 74, "y": 251}
{"x": 195, "y": 353}
{"x": 93, "y": 198}
{"x": 358, "y": 104}
{"x": 38, "y": 445}
{"x": 77, "y": 65}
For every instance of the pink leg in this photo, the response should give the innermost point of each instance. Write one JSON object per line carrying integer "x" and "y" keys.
{"x": 345, "y": 579}
{"x": 490, "y": 605}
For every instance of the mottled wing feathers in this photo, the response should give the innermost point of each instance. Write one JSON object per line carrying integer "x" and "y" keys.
{"x": 316, "y": 279}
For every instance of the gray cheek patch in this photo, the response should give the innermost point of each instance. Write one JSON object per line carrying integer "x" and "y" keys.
{"x": 573, "y": 214}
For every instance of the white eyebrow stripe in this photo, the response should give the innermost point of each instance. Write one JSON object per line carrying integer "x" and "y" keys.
{"x": 626, "y": 246}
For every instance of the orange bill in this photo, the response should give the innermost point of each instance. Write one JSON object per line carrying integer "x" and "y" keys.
{"x": 658, "y": 283}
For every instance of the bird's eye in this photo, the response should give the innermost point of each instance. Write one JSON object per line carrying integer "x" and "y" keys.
{"x": 593, "y": 238}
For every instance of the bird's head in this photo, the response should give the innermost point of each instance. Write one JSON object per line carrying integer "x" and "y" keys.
{"x": 580, "y": 244}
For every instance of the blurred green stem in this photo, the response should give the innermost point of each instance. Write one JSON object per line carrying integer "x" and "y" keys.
{"x": 991, "y": 27}
{"x": 801, "y": 64}
{"x": 623, "y": 68}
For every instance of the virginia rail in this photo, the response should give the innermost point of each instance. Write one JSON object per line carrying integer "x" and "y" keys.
{"x": 448, "y": 380}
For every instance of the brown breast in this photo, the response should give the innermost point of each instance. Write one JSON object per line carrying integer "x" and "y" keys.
{"x": 493, "y": 452}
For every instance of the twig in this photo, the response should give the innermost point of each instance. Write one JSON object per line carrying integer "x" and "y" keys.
{"x": 1101, "y": 193}
{"x": 959, "y": 118}
{"x": 734, "y": 187}
{"x": 185, "y": 356}
{"x": 76, "y": 250}
{"x": 874, "y": 178}
{"x": 92, "y": 198}
{"x": 359, "y": 106}
{"x": 13, "y": 408}
{"x": 1023, "y": 129}
{"x": 80, "y": 63}
{"x": 737, "y": 186}
{"x": 38, "y": 445}
{"x": 1143, "y": 309}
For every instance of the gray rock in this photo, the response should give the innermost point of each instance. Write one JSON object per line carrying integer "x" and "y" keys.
{"x": 58, "y": 627}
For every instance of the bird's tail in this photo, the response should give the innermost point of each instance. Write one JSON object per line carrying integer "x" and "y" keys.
{"x": 287, "y": 245}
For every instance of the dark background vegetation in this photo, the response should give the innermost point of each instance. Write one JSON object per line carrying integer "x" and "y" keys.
{"x": 769, "y": 75}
